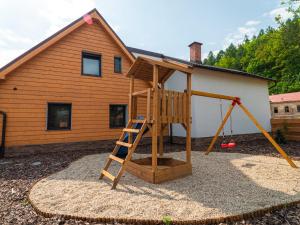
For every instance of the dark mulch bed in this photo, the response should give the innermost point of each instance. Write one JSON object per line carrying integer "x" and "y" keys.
{"x": 18, "y": 174}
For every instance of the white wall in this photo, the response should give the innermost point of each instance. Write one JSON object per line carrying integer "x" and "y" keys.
{"x": 206, "y": 111}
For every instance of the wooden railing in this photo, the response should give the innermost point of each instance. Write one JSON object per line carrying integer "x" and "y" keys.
{"x": 172, "y": 105}
{"x": 290, "y": 128}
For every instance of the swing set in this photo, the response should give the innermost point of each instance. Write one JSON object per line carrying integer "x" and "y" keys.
{"x": 164, "y": 107}
{"x": 232, "y": 142}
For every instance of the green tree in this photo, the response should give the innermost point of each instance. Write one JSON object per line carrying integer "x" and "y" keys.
{"x": 272, "y": 53}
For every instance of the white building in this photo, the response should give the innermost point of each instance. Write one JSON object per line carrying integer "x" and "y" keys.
{"x": 206, "y": 115}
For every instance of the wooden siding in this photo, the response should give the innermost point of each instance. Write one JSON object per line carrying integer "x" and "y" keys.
{"x": 54, "y": 75}
{"x": 290, "y": 128}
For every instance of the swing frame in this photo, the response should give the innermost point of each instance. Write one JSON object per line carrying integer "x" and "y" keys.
{"x": 237, "y": 101}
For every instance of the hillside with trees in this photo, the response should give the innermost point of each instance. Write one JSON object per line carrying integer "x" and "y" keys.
{"x": 273, "y": 53}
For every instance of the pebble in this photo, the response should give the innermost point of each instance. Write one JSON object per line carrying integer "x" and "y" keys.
{"x": 36, "y": 163}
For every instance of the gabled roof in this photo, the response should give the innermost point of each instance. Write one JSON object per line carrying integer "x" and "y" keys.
{"x": 96, "y": 16}
{"x": 289, "y": 97}
{"x": 197, "y": 65}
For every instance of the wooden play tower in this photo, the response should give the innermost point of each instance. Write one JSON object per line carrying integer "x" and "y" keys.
{"x": 163, "y": 107}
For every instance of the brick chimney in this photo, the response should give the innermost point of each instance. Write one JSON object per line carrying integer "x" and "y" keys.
{"x": 195, "y": 52}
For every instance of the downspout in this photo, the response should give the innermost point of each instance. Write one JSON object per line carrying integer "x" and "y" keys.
{"x": 2, "y": 146}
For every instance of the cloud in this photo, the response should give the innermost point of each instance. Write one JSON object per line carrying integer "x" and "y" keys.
{"x": 253, "y": 23}
{"x": 36, "y": 21}
{"x": 280, "y": 11}
{"x": 238, "y": 36}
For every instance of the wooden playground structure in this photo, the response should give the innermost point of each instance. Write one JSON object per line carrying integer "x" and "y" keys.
{"x": 164, "y": 107}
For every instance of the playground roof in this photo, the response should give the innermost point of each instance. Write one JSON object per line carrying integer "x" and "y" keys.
{"x": 143, "y": 68}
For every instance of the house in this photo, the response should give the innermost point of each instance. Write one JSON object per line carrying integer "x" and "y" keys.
{"x": 206, "y": 116}
{"x": 285, "y": 105}
{"x": 72, "y": 88}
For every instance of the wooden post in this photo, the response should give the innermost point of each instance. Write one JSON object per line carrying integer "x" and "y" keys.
{"x": 219, "y": 130}
{"x": 155, "y": 118}
{"x": 130, "y": 105}
{"x": 161, "y": 134}
{"x": 268, "y": 136}
{"x": 188, "y": 119}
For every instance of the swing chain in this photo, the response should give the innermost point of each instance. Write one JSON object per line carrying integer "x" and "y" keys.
{"x": 221, "y": 111}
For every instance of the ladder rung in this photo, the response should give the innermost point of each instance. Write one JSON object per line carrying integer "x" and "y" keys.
{"x": 131, "y": 130}
{"x": 124, "y": 144}
{"x": 108, "y": 175}
{"x": 138, "y": 121}
{"x": 116, "y": 159}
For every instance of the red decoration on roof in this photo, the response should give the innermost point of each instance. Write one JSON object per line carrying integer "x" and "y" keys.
{"x": 289, "y": 97}
{"x": 88, "y": 19}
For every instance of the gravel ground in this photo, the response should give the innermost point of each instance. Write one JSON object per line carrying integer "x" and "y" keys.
{"x": 17, "y": 175}
{"x": 222, "y": 185}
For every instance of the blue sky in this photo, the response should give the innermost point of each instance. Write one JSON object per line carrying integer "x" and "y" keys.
{"x": 165, "y": 26}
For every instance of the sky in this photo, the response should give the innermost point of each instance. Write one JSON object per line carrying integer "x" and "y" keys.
{"x": 164, "y": 26}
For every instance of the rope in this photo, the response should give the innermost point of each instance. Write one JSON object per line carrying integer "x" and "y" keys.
{"x": 221, "y": 111}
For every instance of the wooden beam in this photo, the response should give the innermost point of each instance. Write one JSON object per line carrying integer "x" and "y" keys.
{"x": 268, "y": 136}
{"x": 140, "y": 92}
{"x": 155, "y": 117}
{"x": 167, "y": 65}
{"x": 188, "y": 119}
{"x": 220, "y": 129}
{"x": 213, "y": 95}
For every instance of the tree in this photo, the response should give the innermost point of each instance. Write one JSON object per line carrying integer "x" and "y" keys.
{"x": 272, "y": 53}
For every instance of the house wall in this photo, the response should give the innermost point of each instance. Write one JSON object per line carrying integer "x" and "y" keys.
{"x": 206, "y": 111}
{"x": 294, "y": 109}
{"x": 55, "y": 76}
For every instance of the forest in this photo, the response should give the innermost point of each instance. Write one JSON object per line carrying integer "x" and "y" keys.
{"x": 272, "y": 53}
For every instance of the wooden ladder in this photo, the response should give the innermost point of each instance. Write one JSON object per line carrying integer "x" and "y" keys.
{"x": 131, "y": 148}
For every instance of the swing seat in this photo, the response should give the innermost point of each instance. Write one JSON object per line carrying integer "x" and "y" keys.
{"x": 231, "y": 144}
{"x": 224, "y": 145}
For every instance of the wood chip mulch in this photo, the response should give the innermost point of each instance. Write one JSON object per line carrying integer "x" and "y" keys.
{"x": 18, "y": 174}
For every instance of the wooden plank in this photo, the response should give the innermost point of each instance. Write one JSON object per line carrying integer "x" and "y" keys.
{"x": 108, "y": 175}
{"x": 130, "y": 130}
{"x": 124, "y": 144}
{"x": 164, "y": 106}
{"x": 115, "y": 158}
{"x": 170, "y": 107}
{"x": 138, "y": 121}
{"x": 175, "y": 107}
{"x": 184, "y": 107}
{"x": 148, "y": 105}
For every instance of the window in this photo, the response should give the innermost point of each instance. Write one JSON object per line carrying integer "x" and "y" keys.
{"x": 117, "y": 116}
{"x": 286, "y": 109}
{"x": 59, "y": 116}
{"x": 118, "y": 64}
{"x": 91, "y": 64}
{"x": 275, "y": 109}
{"x": 298, "y": 108}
